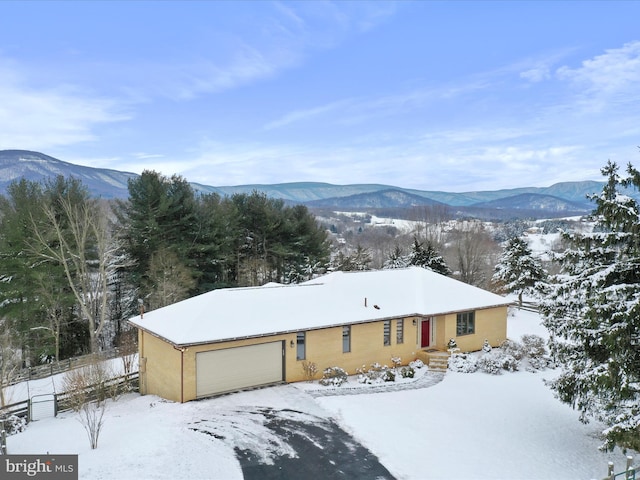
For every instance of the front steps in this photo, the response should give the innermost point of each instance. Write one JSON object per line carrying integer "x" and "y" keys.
{"x": 436, "y": 360}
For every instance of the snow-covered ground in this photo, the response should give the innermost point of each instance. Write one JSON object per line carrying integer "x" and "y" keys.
{"x": 468, "y": 426}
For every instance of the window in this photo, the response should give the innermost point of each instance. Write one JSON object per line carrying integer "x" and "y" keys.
{"x": 387, "y": 332}
{"x": 400, "y": 331}
{"x": 346, "y": 339}
{"x": 466, "y": 323}
{"x": 300, "y": 346}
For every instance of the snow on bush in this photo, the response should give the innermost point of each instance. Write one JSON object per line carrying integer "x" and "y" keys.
{"x": 463, "y": 363}
{"x": 513, "y": 348}
{"x": 333, "y": 376}
{"x": 407, "y": 372}
{"x": 486, "y": 347}
{"x": 489, "y": 363}
{"x": 14, "y": 424}
{"x": 416, "y": 364}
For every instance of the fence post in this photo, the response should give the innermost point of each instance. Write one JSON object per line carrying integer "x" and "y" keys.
{"x": 610, "y": 470}
{"x": 3, "y": 440}
{"x": 630, "y": 473}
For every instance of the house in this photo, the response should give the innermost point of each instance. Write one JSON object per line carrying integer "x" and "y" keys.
{"x": 230, "y": 339}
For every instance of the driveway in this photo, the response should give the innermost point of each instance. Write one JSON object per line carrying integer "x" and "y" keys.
{"x": 289, "y": 444}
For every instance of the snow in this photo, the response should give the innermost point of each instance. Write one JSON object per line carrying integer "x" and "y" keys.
{"x": 339, "y": 298}
{"x": 468, "y": 426}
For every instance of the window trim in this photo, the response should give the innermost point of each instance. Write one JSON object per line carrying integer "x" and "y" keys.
{"x": 301, "y": 345}
{"x": 466, "y": 323}
{"x": 346, "y": 338}
{"x": 386, "y": 333}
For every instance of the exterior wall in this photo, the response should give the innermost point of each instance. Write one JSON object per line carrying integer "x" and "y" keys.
{"x": 324, "y": 347}
{"x": 491, "y": 324}
{"x": 167, "y": 365}
{"x": 160, "y": 372}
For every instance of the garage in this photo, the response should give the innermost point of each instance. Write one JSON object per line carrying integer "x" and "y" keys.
{"x": 229, "y": 369}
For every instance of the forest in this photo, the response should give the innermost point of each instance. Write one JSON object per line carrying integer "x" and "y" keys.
{"x": 74, "y": 268}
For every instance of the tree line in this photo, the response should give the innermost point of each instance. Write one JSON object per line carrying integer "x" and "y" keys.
{"x": 73, "y": 268}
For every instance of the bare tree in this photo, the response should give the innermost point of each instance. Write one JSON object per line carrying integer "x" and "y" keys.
{"x": 170, "y": 279}
{"x": 474, "y": 254}
{"x": 9, "y": 362}
{"x": 79, "y": 238}
{"x": 88, "y": 388}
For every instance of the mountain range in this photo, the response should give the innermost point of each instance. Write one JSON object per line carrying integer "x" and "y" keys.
{"x": 566, "y": 198}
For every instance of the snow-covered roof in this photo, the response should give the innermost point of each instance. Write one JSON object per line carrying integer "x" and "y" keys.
{"x": 338, "y": 298}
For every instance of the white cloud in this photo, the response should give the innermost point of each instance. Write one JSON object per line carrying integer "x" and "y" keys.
{"x": 44, "y": 118}
{"x": 614, "y": 73}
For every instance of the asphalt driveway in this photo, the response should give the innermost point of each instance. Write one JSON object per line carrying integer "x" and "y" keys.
{"x": 289, "y": 444}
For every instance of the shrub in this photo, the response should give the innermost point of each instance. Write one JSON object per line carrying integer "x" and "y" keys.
{"x": 490, "y": 364}
{"x": 396, "y": 362}
{"x": 310, "y": 369}
{"x": 513, "y": 348}
{"x": 508, "y": 362}
{"x": 486, "y": 347}
{"x": 533, "y": 346}
{"x": 416, "y": 364}
{"x": 463, "y": 363}
{"x": 389, "y": 376}
{"x": 372, "y": 375}
{"x": 407, "y": 372}
{"x": 333, "y": 376}
{"x": 13, "y": 424}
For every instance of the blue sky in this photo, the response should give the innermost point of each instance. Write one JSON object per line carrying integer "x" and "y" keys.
{"x": 454, "y": 96}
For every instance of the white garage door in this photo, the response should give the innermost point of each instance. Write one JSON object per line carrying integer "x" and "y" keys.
{"x": 219, "y": 371}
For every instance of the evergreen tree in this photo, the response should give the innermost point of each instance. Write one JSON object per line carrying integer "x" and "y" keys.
{"x": 427, "y": 257}
{"x": 592, "y": 311}
{"x": 397, "y": 259}
{"x": 517, "y": 271}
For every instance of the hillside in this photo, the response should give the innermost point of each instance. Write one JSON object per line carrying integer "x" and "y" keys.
{"x": 561, "y": 198}
{"x": 34, "y": 166}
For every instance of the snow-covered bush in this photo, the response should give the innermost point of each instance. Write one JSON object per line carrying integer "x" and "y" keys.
{"x": 389, "y": 376}
{"x": 14, "y": 424}
{"x": 416, "y": 364}
{"x": 486, "y": 347}
{"x": 407, "y": 372}
{"x": 396, "y": 362}
{"x": 463, "y": 363}
{"x": 375, "y": 374}
{"x": 508, "y": 362}
{"x": 452, "y": 346}
{"x": 333, "y": 376}
{"x": 513, "y": 348}
{"x": 533, "y": 346}
{"x": 490, "y": 364}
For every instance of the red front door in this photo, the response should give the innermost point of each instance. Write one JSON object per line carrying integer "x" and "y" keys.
{"x": 425, "y": 333}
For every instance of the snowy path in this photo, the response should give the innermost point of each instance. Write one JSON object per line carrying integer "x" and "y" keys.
{"x": 426, "y": 379}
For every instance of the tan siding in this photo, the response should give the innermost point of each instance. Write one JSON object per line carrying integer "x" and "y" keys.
{"x": 491, "y": 324}
{"x": 323, "y": 347}
{"x": 162, "y": 369}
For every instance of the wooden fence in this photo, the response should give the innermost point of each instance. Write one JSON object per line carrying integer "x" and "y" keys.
{"x": 53, "y": 368}
{"x": 120, "y": 384}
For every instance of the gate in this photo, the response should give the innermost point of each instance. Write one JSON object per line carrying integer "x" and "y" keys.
{"x": 42, "y": 406}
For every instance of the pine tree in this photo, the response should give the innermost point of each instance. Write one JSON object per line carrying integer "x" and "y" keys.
{"x": 592, "y": 311}
{"x": 397, "y": 259}
{"x": 517, "y": 271}
{"x": 427, "y": 257}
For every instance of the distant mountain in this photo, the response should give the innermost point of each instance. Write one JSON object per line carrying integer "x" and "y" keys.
{"x": 536, "y": 201}
{"x": 390, "y": 198}
{"x": 559, "y": 198}
{"x": 34, "y": 166}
